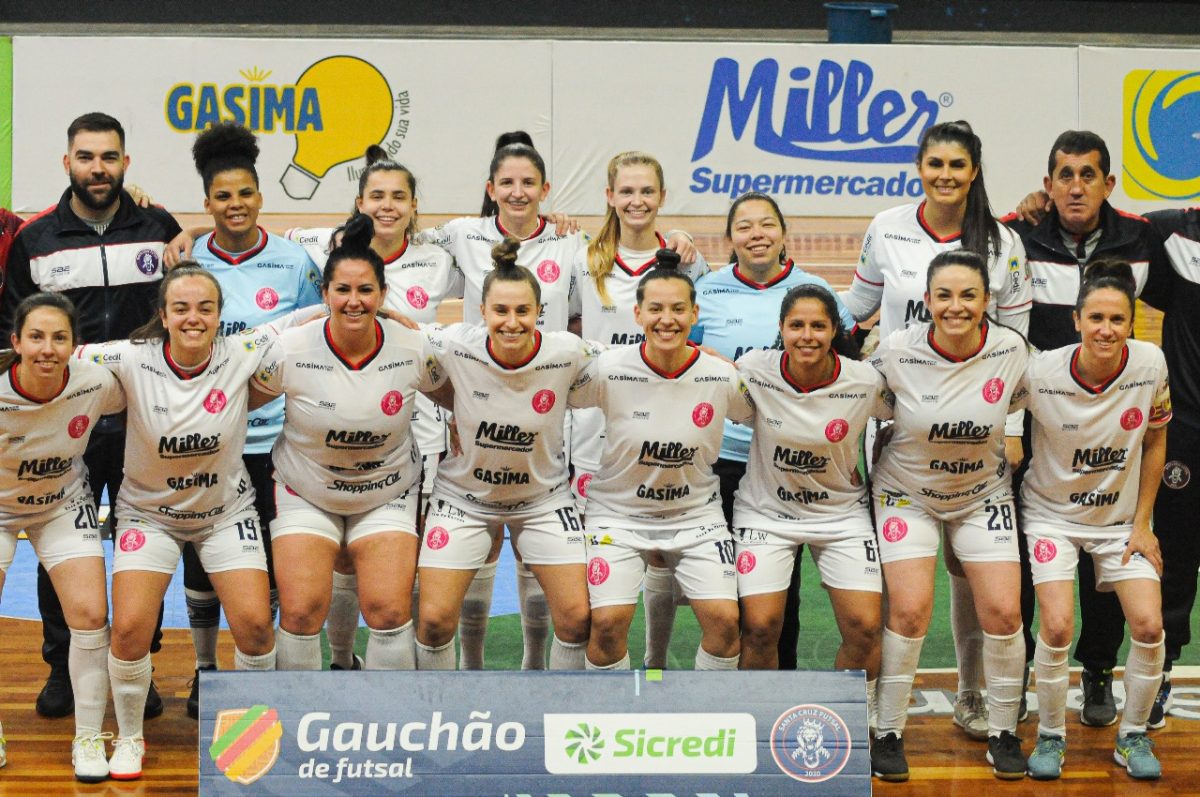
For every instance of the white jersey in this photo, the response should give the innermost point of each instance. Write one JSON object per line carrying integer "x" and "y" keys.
{"x": 545, "y": 253}
{"x": 346, "y": 445}
{"x": 1087, "y": 439}
{"x": 42, "y": 442}
{"x": 315, "y": 240}
{"x": 803, "y": 466}
{"x": 895, "y": 257}
{"x": 186, "y": 432}
{"x": 947, "y": 451}
{"x": 510, "y": 420}
{"x": 664, "y": 434}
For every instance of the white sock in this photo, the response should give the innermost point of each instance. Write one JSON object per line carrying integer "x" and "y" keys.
{"x": 87, "y": 659}
{"x": 1004, "y": 671}
{"x": 872, "y": 705}
{"x": 897, "y": 668}
{"x": 297, "y": 651}
{"x": 622, "y": 664}
{"x": 1050, "y": 665}
{"x": 535, "y": 619}
{"x": 204, "y": 617}
{"x": 440, "y": 658}
{"x": 658, "y": 596}
{"x": 968, "y": 636}
{"x": 341, "y": 624}
{"x": 1143, "y": 671}
{"x": 567, "y": 655}
{"x": 707, "y": 661}
{"x": 264, "y": 662}
{"x": 391, "y": 649}
{"x": 473, "y": 618}
{"x": 130, "y": 684}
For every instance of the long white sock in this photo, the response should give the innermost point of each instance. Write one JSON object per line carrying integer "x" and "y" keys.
{"x": 622, "y": 664}
{"x": 473, "y": 618}
{"x": 1004, "y": 671}
{"x": 707, "y": 661}
{"x": 1050, "y": 665}
{"x": 897, "y": 669}
{"x": 567, "y": 655}
{"x": 1143, "y": 671}
{"x": 297, "y": 651}
{"x": 130, "y": 684}
{"x": 87, "y": 659}
{"x": 535, "y": 619}
{"x": 968, "y": 636}
{"x": 263, "y": 662}
{"x": 341, "y": 624}
{"x": 204, "y": 617}
{"x": 392, "y": 649}
{"x": 439, "y": 658}
{"x": 872, "y": 704}
{"x": 658, "y": 596}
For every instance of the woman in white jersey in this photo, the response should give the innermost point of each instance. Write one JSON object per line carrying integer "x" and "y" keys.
{"x": 511, "y": 382}
{"x": 663, "y": 402}
{"x": 1100, "y": 411}
{"x": 187, "y": 389}
{"x": 890, "y": 279}
{"x": 803, "y": 485}
{"x": 347, "y": 469}
{"x": 47, "y": 413}
{"x": 953, "y": 383}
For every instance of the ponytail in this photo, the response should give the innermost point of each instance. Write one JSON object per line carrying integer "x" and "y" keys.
{"x": 517, "y": 140}
{"x": 602, "y": 251}
{"x": 980, "y": 230}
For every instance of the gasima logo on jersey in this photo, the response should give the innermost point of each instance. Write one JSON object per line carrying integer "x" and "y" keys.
{"x": 245, "y": 742}
{"x": 266, "y": 298}
{"x": 78, "y": 425}
{"x": 1161, "y": 147}
{"x": 1044, "y": 550}
{"x": 392, "y": 402}
{"x": 810, "y": 743}
{"x": 336, "y": 108}
{"x": 147, "y": 261}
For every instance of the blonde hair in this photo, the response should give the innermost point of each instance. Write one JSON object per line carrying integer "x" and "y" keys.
{"x": 602, "y": 250}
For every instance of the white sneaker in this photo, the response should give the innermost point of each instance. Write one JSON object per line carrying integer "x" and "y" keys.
{"x": 126, "y": 761}
{"x": 87, "y": 755}
{"x": 971, "y": 714}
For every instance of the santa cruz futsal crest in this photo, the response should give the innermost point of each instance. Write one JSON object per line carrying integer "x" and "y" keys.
{"x": 810, "y": 743}
{"x": 245, "y": 742}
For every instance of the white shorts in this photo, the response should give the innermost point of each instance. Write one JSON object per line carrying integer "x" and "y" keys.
{"x": 69, "y": 531}
{"x": 701, "y": 556}
{"x": 1054, "y": 555}
{"x": 294, "y": 515}
{"x": 987, "y": 533}
{"x": 457, "y": 539}
{"x": 234, "y": 543}
{"x": 765, "y": 559}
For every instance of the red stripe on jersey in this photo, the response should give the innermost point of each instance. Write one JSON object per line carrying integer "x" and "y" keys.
{"x": 954, "y": 358}
{"x": 861, "y": 278}
{"x": 670, "y": 375}
{"x": 930, "y": 232}
{"x": 762, "y": 286}
{"x": 238, "y": 259}
{"x": 537, "y": 346}
{"x": 16, "y": 385}
{"x": 1097, "y": 389}
{"x": 181, "y": 372}
{"x": 640, "y": 270}
{"x": 398, "y": 255}
{"x": 783, "y": 371}
{"x": 1008, "y": 219}
{"x": 346, "y": 361}
{"x": 37, "y": 216}
{"x": 541, "y": 226}
{"x": 1129, "y": 215}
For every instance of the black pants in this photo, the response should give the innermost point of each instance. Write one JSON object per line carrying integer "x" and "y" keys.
{"x": 262, "y": 478}
{"x": 1175, "y": 512}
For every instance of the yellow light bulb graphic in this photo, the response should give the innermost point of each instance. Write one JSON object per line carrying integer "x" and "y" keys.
{"x": 356, "y": 111}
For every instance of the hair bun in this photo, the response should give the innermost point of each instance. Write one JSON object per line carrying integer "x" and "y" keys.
{"x": 504, "y": 254}
{"x": 375, "y": 154}
{"x": 1109, "y": 268}
{"x": 357, "y": 233}
{"x": 226, "y": 142}
{"x": 668, "y": 259}
{"x": 513, "y": 137}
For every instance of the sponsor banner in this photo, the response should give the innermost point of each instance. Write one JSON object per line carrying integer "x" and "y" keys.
{"x": 617, "y": 734}
{"x": 1146, "y": 105}
{"x": 6, "y": 125}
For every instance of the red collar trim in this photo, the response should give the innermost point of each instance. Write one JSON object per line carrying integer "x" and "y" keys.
{"x": 16, "y": 385}
{"x": 762, "y": 286}
{"x": 665, "y": 374}
{"x": 1096, "y": 390}
{"x": 237, "y": 260}
{"x": 640, "y": 270}
{"x": 983, "y": 334}
{"x": 346, "y": 361}
{"x": 837, "y": 371}
{"x": 537, "y": 347}
{"x": 399, "y": 254}
{"x": 178, "y": 370}
{"x": 540, "y": 228}
{"x": 929, "y": 231}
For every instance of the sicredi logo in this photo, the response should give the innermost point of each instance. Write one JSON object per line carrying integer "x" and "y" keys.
{"x": 1161, "y": 147}
{"x": 631, "y": 744}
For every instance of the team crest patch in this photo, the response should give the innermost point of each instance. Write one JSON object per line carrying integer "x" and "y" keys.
{"x": 245, "y": 742}
{"x": 146, "y": 261}
{"x": 78, "y": 425}
{"x": 131, "y": 540}
{"x": 437, "y": 538}
{"x": 548, "y": 271}
{"x": 836, "y": 430}
{"x": 543, "y": 401}
{"x": 216, "y": 401}
{"x": 810, "y": 743}
{"x": 266, "y": 298}
{"x": 391, "y": 403}
{"x": 702, "y": 414}
{"x": 1176, "y": 475}
{"x": 417, "y": 297}
{"x": 1044, "y": 551}
{"x": 993, "y": 390}
{"x": 746, "y": 562}
{"x": 581, "y": 484}
{"x": 597, "y": 571}
{"x": 1131, "y": 419}
{"x": 894, "y": 529}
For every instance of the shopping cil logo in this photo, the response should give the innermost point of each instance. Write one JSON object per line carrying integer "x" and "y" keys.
{"x": 245, "y": 742}
{"x": 1161, "y": 147}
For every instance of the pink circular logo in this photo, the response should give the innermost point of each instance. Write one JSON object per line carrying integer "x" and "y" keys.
{"x": 993, "y": 389}
{"x": 894, "y": 529}
{"x": 746, "y": 562}
{"x": 78, "y": 425}
{"x": 702, "y": 415}
{"x": 836, "y": 430}
{"x": 132, "y": 540}
{"x": 1044, "y": 551}
{"x": 437, "y": 538}
{"x": 417, "y": 297}
{"x": 582, "y": 483}
{"x": 548, "y": 271}
{"x": 1131, "y": 419}
{"x": 266, "y": 298}
{"x": 597, "y": 571}
{"x": 215, "y": 402}
{"x": 392, "y": 402}
{"x": 543, "y": 401}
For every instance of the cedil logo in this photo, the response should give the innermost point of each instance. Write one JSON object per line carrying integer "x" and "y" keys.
{"x": 245, "y": 743}
{"x": 1161, "y": 150}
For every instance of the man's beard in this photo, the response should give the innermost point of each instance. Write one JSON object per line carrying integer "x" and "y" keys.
{"x": 90, "y": 200}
